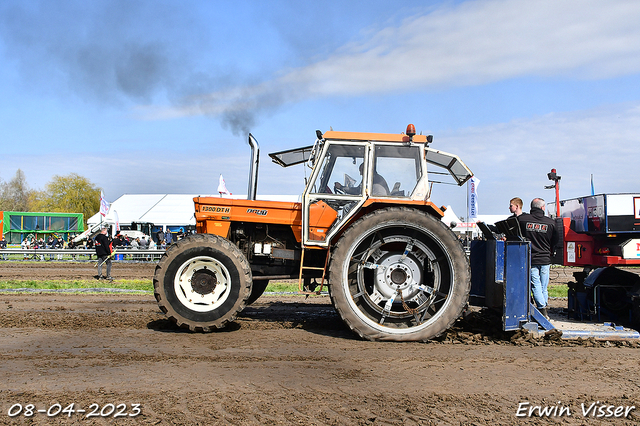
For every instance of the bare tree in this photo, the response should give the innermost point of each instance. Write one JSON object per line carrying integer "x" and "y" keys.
{"x": 15, "y": 195}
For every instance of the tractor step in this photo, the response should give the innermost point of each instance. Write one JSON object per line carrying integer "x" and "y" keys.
{"x": 301, "y": 290}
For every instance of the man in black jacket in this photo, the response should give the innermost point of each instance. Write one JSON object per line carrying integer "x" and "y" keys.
{"x": 3, "y": 245}
{"x": 103, "y": 251}
{"x": 541, "y": 231}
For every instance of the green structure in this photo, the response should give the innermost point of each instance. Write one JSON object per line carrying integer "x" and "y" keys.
{"x": 16, "y": 226}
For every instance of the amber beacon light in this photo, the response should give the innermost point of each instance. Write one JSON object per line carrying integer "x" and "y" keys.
{"x": 411, "y": 130}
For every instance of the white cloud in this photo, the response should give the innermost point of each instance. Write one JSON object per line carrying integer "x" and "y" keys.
{"x": 512, "y": 159}
{"x": 486, "y": 41}
{"x": 473, "y": 43}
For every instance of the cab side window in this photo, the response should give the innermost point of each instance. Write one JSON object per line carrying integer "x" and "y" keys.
{"x": 399, "y": 166}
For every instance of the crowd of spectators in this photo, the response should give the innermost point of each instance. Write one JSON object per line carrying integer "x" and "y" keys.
{"x": 55, "y": 242}
{"x": 167, "y": 238}
{"x": 465, "y": 240}
{"x": 142, "y": 243}
{"x": 52, "y": 242}
{"x": 126, "y": 243}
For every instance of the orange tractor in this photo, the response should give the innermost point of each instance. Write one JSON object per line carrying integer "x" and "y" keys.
{"x": 394, "y": 271}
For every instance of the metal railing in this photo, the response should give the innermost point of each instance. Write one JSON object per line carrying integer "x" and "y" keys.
{"x": 80, "y": 255}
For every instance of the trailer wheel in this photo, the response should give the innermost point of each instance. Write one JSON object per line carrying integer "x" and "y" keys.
{"x": 399, "y": 274}
{"x": 202, "y": 282}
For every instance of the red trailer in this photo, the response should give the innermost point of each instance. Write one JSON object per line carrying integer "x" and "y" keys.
{"x": 601, "y": 233}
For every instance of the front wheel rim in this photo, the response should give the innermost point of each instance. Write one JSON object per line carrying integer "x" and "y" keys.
{"x": 202, "y": 284}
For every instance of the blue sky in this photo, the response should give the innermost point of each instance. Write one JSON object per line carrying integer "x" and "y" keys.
{"x": 158, "y": 96}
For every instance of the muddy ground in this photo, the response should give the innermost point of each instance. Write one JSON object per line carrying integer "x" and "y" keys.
{"x": 286, "y": 360}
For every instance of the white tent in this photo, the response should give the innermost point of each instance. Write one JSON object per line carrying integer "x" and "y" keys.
{"x": 159, "y": 209}
{"x": 163, "y": 209}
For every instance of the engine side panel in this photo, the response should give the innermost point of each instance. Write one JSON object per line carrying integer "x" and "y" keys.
{"x": 214, "y": 215}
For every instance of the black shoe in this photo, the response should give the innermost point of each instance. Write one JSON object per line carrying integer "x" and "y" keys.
{"x": 109, "y": 278}
{"x": 97, "y": 277}
{"x": 544, "y": 312}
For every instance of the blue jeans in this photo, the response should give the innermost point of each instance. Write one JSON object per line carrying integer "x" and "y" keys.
{"x": 539, "y": 284}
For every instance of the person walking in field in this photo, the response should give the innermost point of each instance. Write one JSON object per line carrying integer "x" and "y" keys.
{"x": 3, "y": 245}
{"x": 104, "y": 250}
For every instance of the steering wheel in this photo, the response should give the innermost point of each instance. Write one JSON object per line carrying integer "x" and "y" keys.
{"x": 337, "y": 190}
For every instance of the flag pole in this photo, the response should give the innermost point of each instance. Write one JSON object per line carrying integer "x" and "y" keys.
{"x": 466, "y": 217}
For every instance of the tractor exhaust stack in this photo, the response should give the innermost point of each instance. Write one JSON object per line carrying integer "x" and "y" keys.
{"x": 253, "y": 169}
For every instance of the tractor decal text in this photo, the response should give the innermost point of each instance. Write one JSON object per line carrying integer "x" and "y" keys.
{"x": 258, "y": 212}
{"x": 214, "y": 209}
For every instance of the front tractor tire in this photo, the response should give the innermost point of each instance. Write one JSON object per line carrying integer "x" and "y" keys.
{"x": 399, "y": 274}
{"x": 202, "y": 282}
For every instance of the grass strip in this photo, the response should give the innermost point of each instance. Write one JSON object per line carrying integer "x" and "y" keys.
{"x": 560, "y": 290}
{"x": 144, "y": 285}
{"x": 281, "y": 287}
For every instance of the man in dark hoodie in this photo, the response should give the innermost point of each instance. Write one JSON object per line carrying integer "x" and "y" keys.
{"x": 104, "y": 249}
{"x": 541, "y": 231}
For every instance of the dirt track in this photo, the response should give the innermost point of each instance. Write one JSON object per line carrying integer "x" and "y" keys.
{"x": 287, "y": 360}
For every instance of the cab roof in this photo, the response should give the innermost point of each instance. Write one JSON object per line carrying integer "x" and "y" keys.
{"x": 382, "y": 137}
{"x": 290, "y": 157}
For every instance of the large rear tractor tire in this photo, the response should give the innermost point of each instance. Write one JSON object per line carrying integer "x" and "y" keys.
{"x": 399, "y": 274}
{"x": 202, "y": 282}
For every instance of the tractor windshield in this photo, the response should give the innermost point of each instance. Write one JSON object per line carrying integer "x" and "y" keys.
{"x": 341, "y": 170}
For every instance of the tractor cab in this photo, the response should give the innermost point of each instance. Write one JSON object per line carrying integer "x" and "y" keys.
{"x": 354, "y": 169}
